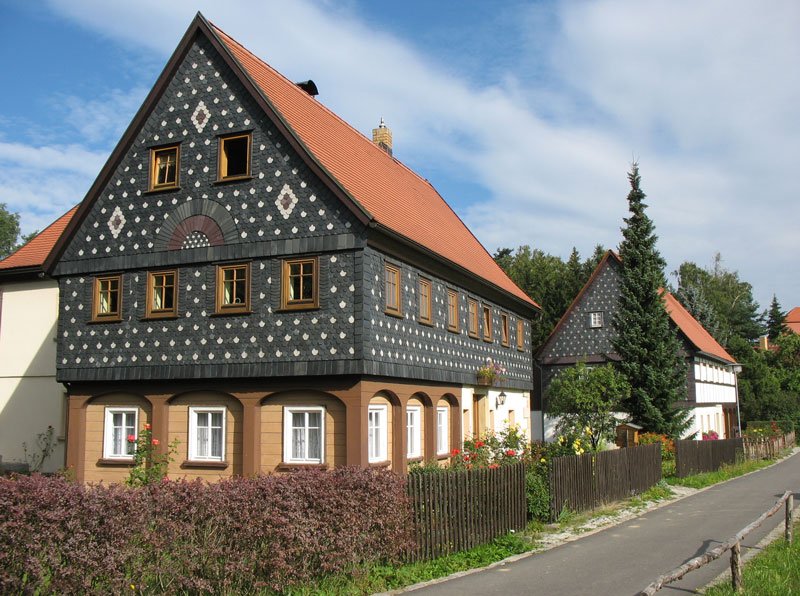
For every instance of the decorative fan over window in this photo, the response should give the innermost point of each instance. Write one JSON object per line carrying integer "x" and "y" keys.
{"x": 197, "y": 231}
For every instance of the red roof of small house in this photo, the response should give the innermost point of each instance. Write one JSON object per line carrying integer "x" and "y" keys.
{"x": 792, "y": 320}
{"x": 34, "y": 253}
{"x": 391, "y": 195}
{"x": 693, "y": 330}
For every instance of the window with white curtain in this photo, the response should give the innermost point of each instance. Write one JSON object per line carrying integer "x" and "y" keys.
{"x": 377, "y": 438}
{"x": 120, "y": 426}
{"x": 413, "y": 431}
{"x": 207, "y": 433}
{"x": 442, "y": 431}
{"x": 304, "y": 434}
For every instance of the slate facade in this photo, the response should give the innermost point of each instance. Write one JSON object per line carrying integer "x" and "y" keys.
{"x": 348, "y": 349}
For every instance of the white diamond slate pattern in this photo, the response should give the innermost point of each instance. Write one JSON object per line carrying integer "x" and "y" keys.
{"x": 201, "y": 116}
{"x": 116, "y": 222}
{"x": 286, "y": 201}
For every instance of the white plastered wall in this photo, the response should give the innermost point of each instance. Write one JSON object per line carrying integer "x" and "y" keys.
{"x": 30, "y": 398}
{"x": 705, "y": 419}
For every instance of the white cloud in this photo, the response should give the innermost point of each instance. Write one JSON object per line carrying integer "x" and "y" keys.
{"x": 704, "y": 94}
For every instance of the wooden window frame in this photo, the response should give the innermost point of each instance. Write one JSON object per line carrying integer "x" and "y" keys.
{"x": 377, "y": 446}
{"x": 596, "y": 319}
{"x": 520, "y": 335}
{"x": 425, "y": 283}
{"x": 452, "y": 311}
{"x": 287, "y": 434}
{"x": 108, "y": 432}
{"x": 98, "y": 316}
{"x": 154, "y": 154}
{"x": 288, "y": 303}
{"x": 222, "y": 159}
{"x": 234, "y": 308}
{"x": 472, "y": 317}
{"x": 193, "y": 455}
{"x": 487, "y": 323}
{"x": 395, "y": 310}
{"x": 504, "y": 330}
{"x": 161, "y": 313}
{"x": 442, "y": 431}
{"x": 413, "y": 432}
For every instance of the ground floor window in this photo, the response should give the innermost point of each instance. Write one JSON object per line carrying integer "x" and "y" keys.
{"x": 207, "y": 433}
{"x": 120, "y": 432}
{"x": 377, "y": 433}
{"x": 442, "y": 431}
{"x": 303, "y": 434}
{"x": 413, "y": 431}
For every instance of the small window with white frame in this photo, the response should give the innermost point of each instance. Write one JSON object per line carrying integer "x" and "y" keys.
{"x": 413, "y": 431}
{"x": 442, "y": 431}
{"x": 120, "y": 434}
{"x": 377, "y": 437}
{"x": 207, "y": 433}
{"x": 596, "y": 319}
{"x": 304, "y": 434}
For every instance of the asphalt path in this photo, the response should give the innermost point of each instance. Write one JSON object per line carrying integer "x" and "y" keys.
{"x": 621, "y": 560}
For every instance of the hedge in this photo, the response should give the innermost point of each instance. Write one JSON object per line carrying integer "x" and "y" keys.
{"x": 240, "y": 535}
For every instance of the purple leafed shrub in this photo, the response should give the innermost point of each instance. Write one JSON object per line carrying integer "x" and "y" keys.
{"x": 239, "y": 535}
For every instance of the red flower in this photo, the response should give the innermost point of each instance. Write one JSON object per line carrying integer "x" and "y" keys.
{"x": 155, "y": 442}
{"x": 479, "y": 443}
{"x": 147, "y": 426}
{"x": 494, "y": 466}
{"x": 131, "y": 438}
{"x": 511, "y": 453}
{"x": 455, "y": 452}
{"x": 466, "y": 457}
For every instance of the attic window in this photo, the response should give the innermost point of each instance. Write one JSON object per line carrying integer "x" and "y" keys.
{"x": 234, "y": 157}
{"x": 596, "y": 319}
{"x": 164, "y": 167}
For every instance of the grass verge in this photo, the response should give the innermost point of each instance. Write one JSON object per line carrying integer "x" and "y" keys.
{"x": 726, "y": 472}
{"x": 774, "y": 572}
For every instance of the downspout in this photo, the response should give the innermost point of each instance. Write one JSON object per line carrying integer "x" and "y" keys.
{"x": 737, "y": 368}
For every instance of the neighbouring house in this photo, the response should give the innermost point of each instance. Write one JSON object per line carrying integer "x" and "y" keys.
{"x": 585, "y": 332}
{"x": 31, "y": 400}
{"x": 792, "y": 320}
{"x": 259, "y": 281}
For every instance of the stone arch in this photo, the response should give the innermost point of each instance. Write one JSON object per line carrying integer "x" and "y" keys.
{"x": 200, "y": 216}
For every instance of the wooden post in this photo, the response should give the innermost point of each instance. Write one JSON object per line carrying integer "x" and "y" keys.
{"x": 736, "y": 567}
{"x": 789, "y": 514}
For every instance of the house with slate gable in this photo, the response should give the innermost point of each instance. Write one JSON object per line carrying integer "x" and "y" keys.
{"x": 255, "y": 278}
{"x": 585, "y": 332}
{"x": 31, "y": 400}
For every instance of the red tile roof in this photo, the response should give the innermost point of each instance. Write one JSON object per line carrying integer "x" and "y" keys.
{"x": 389, "y": 192}
{"x": 693, "y": 330}
{"x": 792, "y": 320}
{"x": 34, "y": 253}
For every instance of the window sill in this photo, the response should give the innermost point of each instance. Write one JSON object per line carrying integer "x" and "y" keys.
{"x": 394, "y": 313}
{"x": 294, "y": 466}
{"x": 426, "y": 323}
{"x": 158, "y": 191}
{"x": 103, "y": 321}
{"x": 233, "y": 179}
{"x": 299, "y": 307}
{"x": 113, "y": 461}
{"x": 473, "y": 335}
{"x": 442, "y": 456}
{"x": 210, "y": 465}
{"x": 160, "y": 317}
{"x": 417, "y": 459}
{"x": 453, "y": 330}
{"x": 380, "y": 464}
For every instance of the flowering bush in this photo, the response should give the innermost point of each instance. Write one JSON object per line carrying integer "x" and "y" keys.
{"x": 767, "y": 430}
{"x": 711, "y": 435}
{"x": 491, "y": 372}
{"x": 667, "y": 444}
{"x": 492, "y": 450}
{"x": 241, "y": 535}
{"x": 149, "y": 466}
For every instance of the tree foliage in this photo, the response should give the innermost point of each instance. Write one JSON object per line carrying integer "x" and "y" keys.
{"x": 730, "y": 297}
{"x": 644, "y": 338}
{"x": 585, "y": 400}
{"x": 552, "y": 282}
{"x": 10, "y": 238}
{"x": 775, "y": 317}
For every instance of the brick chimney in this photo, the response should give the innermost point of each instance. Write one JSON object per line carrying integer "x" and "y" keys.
{"x": 382, "y": 137}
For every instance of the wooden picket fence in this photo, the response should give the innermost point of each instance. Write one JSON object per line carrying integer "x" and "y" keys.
{"x": 695, "y": 457}
{"x": 457, "y": 510}
{"x": 767, "y": 448}
{"x": 583, "y": 482}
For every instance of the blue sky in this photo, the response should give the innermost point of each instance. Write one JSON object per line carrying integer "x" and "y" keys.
{"x": 524, "y": 115}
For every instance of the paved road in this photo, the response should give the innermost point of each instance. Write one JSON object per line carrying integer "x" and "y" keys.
{"x": 623, "y": 559}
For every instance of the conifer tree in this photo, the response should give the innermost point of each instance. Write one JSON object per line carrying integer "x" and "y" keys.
{"x": 645, "y": 340}
{"x": 775, "y": 317}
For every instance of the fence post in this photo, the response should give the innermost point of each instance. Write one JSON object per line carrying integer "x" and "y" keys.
{"x": 789, "y": 514}
{"x": 736, "y": 567}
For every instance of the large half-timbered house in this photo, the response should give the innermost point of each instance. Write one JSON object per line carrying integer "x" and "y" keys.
{"x": 255, "y": 278}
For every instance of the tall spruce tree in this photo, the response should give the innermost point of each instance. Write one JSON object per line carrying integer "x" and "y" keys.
{"x": 775, "y": 317}
{"x": 645, "y": 340}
